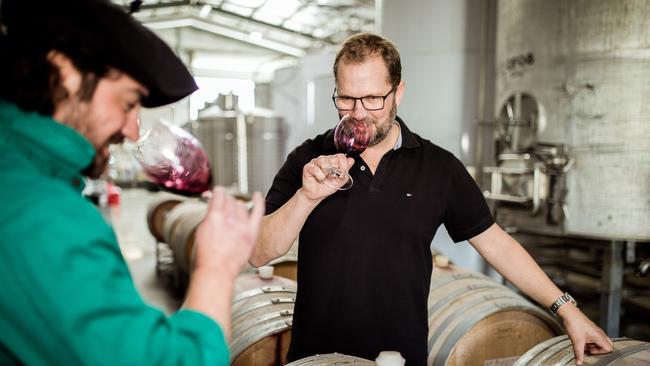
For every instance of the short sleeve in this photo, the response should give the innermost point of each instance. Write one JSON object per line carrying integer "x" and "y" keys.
{"x": 289, "y": 178}
{"x": 466, "y": 213}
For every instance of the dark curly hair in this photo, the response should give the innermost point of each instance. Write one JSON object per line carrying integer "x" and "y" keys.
{"x": 30, "y": 81}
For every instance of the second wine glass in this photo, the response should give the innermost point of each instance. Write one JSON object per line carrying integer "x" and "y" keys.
{"x": 351, "y": 137}
{"x": 174, "y": 159}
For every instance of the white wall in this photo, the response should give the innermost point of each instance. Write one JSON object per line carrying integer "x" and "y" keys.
{"x": 440, "y": 45}
{"x": 210, "y": 55}
{"x": 302, "y": 96}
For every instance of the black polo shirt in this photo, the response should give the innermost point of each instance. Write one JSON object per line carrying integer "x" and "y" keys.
{"x": 364, "y": 260}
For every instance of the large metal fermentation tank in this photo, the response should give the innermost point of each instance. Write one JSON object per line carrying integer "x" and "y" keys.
{"x": 266, "y": 136}
{"x": 573, "y": 134}
{"x": 217, "y": 132}
{"x": 246, "y": 150}
{"x": 569, "y": 167}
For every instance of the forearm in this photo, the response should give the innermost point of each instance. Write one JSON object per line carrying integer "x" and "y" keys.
{"x": 280, "y": 229}
{"x": 211, "y": 292}
{"x": 514, "y": 263}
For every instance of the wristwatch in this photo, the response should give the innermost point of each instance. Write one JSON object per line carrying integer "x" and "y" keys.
{"x": 561, "y": 301}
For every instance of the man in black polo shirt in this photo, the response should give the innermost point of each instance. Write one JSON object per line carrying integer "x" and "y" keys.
{"x": 364, "y": 259}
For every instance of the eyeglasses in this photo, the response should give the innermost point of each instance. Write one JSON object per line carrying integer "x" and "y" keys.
{"x": 370, "y": 103}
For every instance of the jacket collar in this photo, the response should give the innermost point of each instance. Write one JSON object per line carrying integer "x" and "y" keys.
{"x": 57, "y": 150}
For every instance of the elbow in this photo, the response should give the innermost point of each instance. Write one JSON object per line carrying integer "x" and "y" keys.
{"x": 257, "y": 259}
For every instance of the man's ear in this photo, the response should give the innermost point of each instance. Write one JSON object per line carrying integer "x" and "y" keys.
{"x": 68, "y": 73}
{"x": 399, "y": 92}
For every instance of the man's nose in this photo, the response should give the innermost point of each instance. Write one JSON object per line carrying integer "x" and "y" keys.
{"x": 131, "y": 129}
{"x": 358, "y": 112}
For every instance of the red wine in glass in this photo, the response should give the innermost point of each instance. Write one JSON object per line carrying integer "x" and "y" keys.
{"x": 351, "y": 138}
{"x": 174, "y": 160}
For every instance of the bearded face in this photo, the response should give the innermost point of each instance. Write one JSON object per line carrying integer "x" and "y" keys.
{"x": 85, "y": 119}
{"x": 381, "y": 126}
{"x": 105, "y": 114}
{"x": 369, "y": 77}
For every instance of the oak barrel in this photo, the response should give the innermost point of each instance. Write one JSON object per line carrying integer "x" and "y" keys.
{"x": 156, "y": 213}
{"x": 178, "y": 231}
{"x": 473, "y": 320}
{"x": 262, "y": 315}
{"x": 558, "y": 351}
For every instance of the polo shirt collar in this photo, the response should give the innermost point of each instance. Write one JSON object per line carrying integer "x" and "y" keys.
{"x": 406, "y": 139}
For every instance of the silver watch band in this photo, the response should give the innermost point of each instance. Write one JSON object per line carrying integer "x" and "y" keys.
{"x": 561, "y": 301}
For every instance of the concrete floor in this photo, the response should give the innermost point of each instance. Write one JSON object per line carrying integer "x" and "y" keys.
{"x": 129, "y": 220}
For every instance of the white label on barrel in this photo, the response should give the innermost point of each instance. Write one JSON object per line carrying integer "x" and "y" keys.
{"x": 506, "y": 361}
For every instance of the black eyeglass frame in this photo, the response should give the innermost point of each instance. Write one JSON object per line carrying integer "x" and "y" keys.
{"x": 383, "y": 101}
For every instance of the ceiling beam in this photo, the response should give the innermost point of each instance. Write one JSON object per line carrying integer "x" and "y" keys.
{"x": 211, "y": 27}
{"x": 218, "y": 9}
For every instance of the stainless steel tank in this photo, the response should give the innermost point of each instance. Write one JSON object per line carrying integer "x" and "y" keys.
{"x": 218, "y": 135}
{"x": 246, "y": 150}
{"x": 573, "y": 131}
{"x": 266, "y": 136}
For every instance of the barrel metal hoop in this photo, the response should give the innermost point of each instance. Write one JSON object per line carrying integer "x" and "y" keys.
{"x": 566, "y": 359}
{"x": 450, "y": 341}
{"x": 441, "y": 281}
{"x": 263, "y": 290}
{"x": 552, "y": 351}
{"x": 248, "y": 323}
{"x": 533, "y": 352}
{"x": 277, "y": 300}
{"x": 244, "y": 340}
{"x": 455, "y": 294}
{"x": 617, "y": 355}
{"x": 252, "y": 306}
{"x": 462, "y": 328}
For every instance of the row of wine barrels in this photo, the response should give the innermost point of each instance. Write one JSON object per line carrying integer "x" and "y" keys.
{"x": 174, "y": 222}
{"x": 262, "y": 315}
{"x": 558, "y": 351}
{"x": 331, "y": 359}
{"x": 156, "y": 213}
{"x": 473, "y": 320}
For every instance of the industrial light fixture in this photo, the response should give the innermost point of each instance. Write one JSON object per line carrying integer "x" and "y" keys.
{"x": 212, "y": 27}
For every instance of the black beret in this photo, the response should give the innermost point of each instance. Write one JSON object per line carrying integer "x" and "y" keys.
{"x": 112, "y": 34}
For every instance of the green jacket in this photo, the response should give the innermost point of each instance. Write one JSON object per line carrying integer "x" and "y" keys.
{"x": 66, "y": 295}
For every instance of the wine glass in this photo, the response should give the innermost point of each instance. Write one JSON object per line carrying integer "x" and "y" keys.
{"x": 174, "y": 159}
{"x": 350, "y": 138}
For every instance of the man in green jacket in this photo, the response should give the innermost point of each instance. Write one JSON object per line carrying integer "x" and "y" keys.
{"x": 73, "y": 75}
